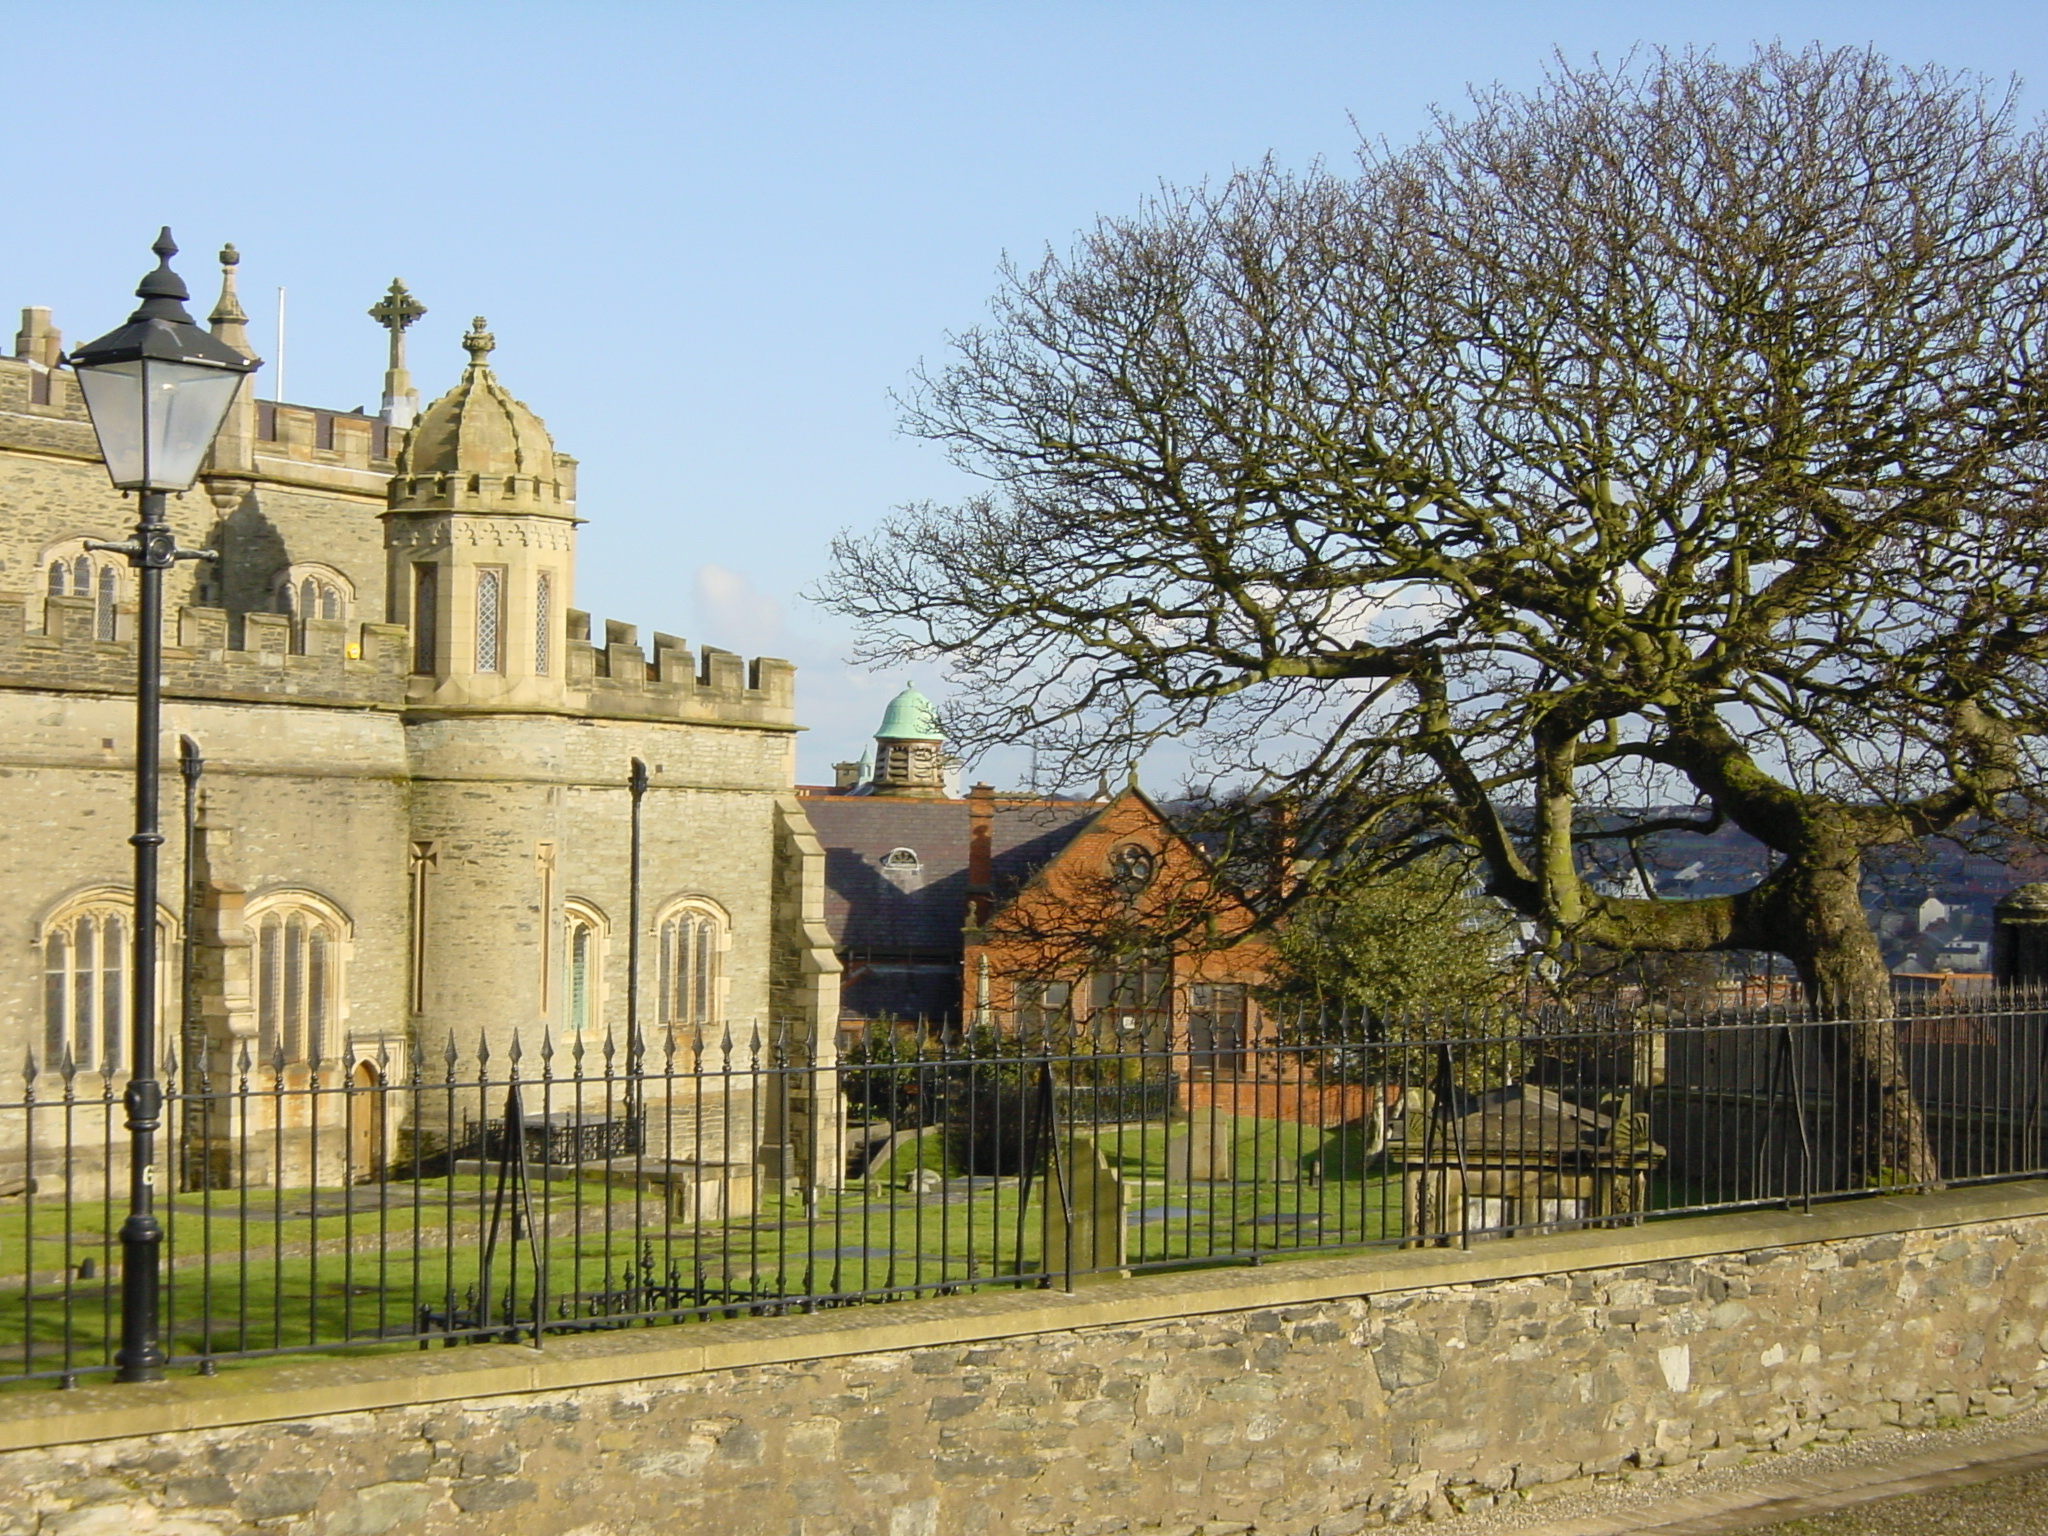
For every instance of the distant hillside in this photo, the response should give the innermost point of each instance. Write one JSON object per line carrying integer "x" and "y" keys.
{"x": 1897, "y": 883}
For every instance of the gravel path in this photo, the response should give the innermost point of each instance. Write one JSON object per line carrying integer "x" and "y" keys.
{"x": 2005, "y": 1506}
{"x": 1739, "y": 1498}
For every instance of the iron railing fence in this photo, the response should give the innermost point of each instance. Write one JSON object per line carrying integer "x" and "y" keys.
{"x": 408, "y": 1197}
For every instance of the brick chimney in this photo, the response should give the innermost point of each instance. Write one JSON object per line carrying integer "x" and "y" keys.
{"x": 1285, "y": 854}
{"x": 981, "y": 861}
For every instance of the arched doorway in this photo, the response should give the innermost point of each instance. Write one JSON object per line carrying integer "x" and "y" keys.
{"x": 365, "y": 1124}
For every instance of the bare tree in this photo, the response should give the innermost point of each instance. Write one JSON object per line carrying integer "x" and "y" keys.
{"x": 1673, "y": 433}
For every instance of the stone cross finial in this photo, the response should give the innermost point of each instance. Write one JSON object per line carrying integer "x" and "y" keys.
{"x": 395, "y": 311}
{"x": 480, "y": 342}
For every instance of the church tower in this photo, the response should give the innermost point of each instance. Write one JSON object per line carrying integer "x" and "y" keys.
{"x": 480, "y": 543}
{"x": 910, "y": 758}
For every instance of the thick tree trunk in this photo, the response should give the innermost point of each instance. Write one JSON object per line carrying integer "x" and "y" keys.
{"x": 1810, "y": 910}
{"x": 1828, "y": 938}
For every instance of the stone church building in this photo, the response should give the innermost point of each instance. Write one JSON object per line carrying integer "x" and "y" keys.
{"x": 422, "y": 766}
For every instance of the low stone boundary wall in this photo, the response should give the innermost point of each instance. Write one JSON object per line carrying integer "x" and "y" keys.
{"x": 1324, "y": 1396}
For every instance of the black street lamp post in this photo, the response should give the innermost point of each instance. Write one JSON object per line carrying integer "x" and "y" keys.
{"x": 158, "y": 390}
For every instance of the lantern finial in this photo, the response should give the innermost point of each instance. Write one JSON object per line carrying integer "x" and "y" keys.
{"x": 162, "y": 291}
{"x": 163, "y": 283}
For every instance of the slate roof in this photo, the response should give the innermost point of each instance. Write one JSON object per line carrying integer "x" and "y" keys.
{"x": 869, "y": 911}
{"x": 873, "y": 910}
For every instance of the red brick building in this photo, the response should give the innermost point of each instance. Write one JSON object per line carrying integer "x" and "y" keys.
{"x": 1025, "y": 912}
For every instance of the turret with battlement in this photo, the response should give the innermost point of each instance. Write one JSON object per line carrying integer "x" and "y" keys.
{"x": 480, "y": 537}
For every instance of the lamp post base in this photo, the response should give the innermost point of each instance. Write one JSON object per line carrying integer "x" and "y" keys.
{"x": 141, "y": 1356}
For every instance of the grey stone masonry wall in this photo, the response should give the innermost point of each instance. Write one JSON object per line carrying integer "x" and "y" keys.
{"x": 306, "y": 800}
{"x": 1316, "y": 1398}
{"x": 294, "y": 501}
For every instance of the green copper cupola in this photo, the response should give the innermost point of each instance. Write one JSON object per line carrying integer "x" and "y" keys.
{"x": 909, "y": 751}
{"x": 909, "y": 717}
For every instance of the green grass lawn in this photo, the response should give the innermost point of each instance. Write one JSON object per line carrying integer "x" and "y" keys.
{"x": 262, "y": 1269}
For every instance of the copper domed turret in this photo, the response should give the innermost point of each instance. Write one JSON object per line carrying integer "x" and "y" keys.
{"x": 910, "y": 755}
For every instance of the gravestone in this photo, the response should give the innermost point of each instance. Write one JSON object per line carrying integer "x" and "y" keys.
{"x": 904, "y": 1147}
{"x": 1084, "y": 1233}
{"x": 1203, "y": 1150}
{"x": 2019, "y": 937}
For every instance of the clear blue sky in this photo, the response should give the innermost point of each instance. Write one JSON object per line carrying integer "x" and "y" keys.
{"x": 712, "y": 238}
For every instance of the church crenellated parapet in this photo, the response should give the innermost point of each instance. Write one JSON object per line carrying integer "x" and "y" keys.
{"x": 310, "y": 661}
{"x": 619, "y": 679}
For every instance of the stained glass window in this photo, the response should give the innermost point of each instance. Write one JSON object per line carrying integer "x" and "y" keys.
{"x": 95, "y": 577}
{"x": 583, "y": 933}
{"x": 86, "y": 955}
{"x": 426, "y": 592}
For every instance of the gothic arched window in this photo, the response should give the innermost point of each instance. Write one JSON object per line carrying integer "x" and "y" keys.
{"x": 300, "y": 942}
{"x": 70, "y": 570}
{"x": 312, "y": 592}
{"x": 426, "y": 604}
{"x": 584, "y": 932}
{"x": 87, "y": 951}
{"x": 692, "y": 937}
